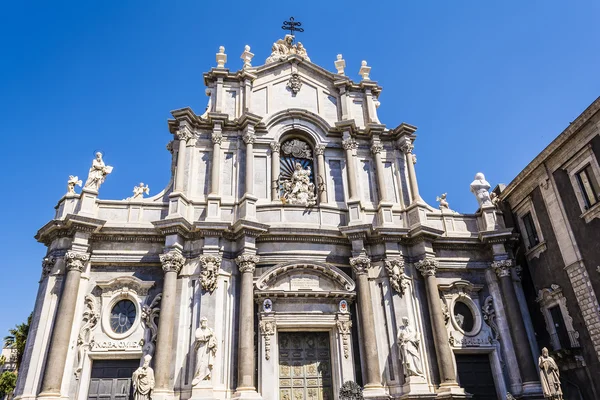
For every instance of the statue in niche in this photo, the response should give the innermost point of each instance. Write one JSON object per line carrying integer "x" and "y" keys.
{"x": 409, "y": 343}
{"x": 72, "y": 182}
{"x": 206, "y": 349}
{"x": 549, "y": 376}
{"x": 143, "y": 381}
{"x": 97, "y": 173}
{"x": 299, "y": 189}
{"x": 480, "y": 188}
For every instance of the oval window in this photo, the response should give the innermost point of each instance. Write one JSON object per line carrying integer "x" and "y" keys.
{"x": 122, "y": 316}
{"x": 463, "y": 316}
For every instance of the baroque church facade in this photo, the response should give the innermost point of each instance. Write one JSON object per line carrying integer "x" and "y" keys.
{"x": 290, "y": 253}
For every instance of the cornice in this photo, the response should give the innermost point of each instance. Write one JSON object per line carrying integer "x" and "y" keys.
{"x": 179, "y": 226}
{"x": 67, "y": 227}
{"x": 419, "y": 230}
{"x": 553, "y": 147}
{"x": 496, "y": 236}
{"x": 404, "y": 129}
{"x": 243, "y": 227}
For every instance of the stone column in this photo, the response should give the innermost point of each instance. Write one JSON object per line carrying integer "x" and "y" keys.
{"x": 529, "y": 373}
{"x": 247, "y": 265}
{"x": 215, "y": 177}
{"x": 172, "y": 262}
{"x": 183, "y": 135}
{"x": 407, "y": 147}
{"x": 360, "y": 266}
{"x": 249, "y": 139}
{"x": 275, "y": 148}
{"x": 321, "y": 183}
{"x": 350, "y": 145}
{"x": 376, "y": 149}
{"x": 59, "y": 342}
{"x": 428, "y": 267}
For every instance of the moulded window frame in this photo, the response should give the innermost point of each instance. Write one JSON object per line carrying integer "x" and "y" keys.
{"x": 526, "y": 206}
{"x": 577, "y": 164}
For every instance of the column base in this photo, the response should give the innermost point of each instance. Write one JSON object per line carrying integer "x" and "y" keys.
{"x": 452, "y": 391}
{"x": 202, "y": 391}
{"x": 51, "y": 396}
{"x": 246, "y": 393}
{"x": 532, "y": 391}
{"x": 416, "y": 385}
{"x": 375, "y": 392}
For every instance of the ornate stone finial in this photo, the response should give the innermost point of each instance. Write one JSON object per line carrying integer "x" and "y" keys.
{"x": 138, "y": 191}
{"x": 360, "y": 264}
{"x": 216, "y": 137}
{"x": 97, "y": 174}
{"x": 172, "y": 261}
{"x": 427, "y": 266}
{"x": 443, "y": 202}
{"x": 249, "y": 138}
{"x": 275, "y": 147}
{"x": 351, "y": 391}
{"x": 210, "y": 266}
{"x": 398, "y": 279}
{"x": 295, "y": 83}
{"x": 549, "y": 376}
{"x": 340, "y": 64}
{"x": 376, "y": 148}
{"x": 480, "y": 188}
{"x": 221, "y": 57}
{"x": 364, "y": 71}
{"x": 47, "y": 266}
{"x": 72, "y": 182}
{"x": 247, "y": 262}
{"x": 502, "y": 267}
{"x": 76, "y": 261}
{"x": 350, "y": 144}
{"x": 320, "y": 149}
{"x": 247, "y": 57}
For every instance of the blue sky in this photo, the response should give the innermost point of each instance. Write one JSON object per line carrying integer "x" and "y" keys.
{"x": 488, "y": 84}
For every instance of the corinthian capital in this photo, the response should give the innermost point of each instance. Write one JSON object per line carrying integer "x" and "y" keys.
{"x": 217, "y": 138}
{"x": 47, "y": 265}
{"x": 376, "y": 148}
{"x": 427, "y": 266}
{"x": 502, "y": 267}
{"x": 360, "y": 264}
{"x": 184, "y": 134}
{"x": 247, "y": 262}
{"x": 275, "y": 147}
{"x": 249, "y": 138}
{"x": 349, "y": 144}
{"x": 76, "y": 261}
{"x": 320, "y": 149}
{"x": 405, "y": 145}
{"x": 172, "y": 261}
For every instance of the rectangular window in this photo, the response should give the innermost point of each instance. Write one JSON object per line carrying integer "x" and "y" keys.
{"x": 559, "y": 326}
{"x": 530, "y": 232}
{"x": 588, "y": 186}
{"x": 337, "y": 186}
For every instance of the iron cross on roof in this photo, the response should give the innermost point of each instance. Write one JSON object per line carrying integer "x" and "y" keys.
{"x": 292, "y": 26}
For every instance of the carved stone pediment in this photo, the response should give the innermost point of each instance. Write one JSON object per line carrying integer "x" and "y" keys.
{"x": 125, "y": 284}
{"x": 319, "y": 279}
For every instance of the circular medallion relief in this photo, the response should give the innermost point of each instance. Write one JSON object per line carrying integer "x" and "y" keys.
{"x": 122, "y": 316}
{"x": 463, "y": 316}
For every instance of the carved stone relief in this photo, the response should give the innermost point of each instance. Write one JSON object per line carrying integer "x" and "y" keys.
{"x": 398, "y": 279}
{"x": 150, "y": 314}
{"x": 209, "y": 275}
{"x": 489, "y": 316}
{"x": 84, "y": 338}
{"x": 344, "y": 328}
{"x": 267, "y": 329}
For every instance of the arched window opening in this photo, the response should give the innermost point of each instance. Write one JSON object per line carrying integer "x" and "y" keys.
{"x": 297, "y": 178}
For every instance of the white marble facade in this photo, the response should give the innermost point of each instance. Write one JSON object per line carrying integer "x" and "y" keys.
{"x": 343, "y": 245}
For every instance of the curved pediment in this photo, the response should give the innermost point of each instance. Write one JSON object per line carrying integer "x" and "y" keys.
{"x": 305, "y": 277}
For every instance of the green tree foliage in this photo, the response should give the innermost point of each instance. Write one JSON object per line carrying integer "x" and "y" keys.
{"x": 8, "y": 382}
{"x": 17, "y": 338}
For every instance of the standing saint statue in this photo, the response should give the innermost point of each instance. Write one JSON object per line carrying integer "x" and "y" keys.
{"x": 480, "y": 188}
{"x": 143, "y": 381}
{"x": 549, "y": 376}
{"x": 98, "y": 172}
{"x": 206, "y": 349}
{"x": 409, "y": 342}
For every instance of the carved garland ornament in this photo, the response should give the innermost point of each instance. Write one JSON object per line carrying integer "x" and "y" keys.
{"x": 210, "y": 270}
{"x": 150, "y": 314}
{"x": 89, "y": 320}
{"x": 398, "y": 279}
{"x": 267, "y": 329}
{"x": 172, "y": 261}
{"x": 76, "y": 261}
{"x": 247, "y": 262}
{"x": 344, "y": 330}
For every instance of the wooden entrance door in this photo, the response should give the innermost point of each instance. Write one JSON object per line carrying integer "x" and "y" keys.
{"x": 304, "y": 366}
{"x": 111, "y": 379}
{"x": 475, "y": 376}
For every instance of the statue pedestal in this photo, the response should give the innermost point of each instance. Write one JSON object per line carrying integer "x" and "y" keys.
{"x": 203, "y": 391}
{"x": 416, "y": 385}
